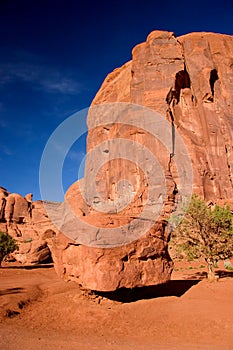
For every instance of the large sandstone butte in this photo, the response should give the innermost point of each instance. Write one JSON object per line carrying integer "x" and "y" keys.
{"x": 191, "y": 78}
{"x": 189, "y": 81}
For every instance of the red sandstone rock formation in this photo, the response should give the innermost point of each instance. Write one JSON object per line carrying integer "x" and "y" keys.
{"x": 192, "y": 75}
{"x": 26, "y": 221}
{"x": 189, "y": 81}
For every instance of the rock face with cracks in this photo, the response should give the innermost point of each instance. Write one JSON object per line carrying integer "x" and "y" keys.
{"x": 188, "y": 80}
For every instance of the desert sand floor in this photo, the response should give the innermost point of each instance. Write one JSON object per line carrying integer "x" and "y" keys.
{"x": 40, "y": 311}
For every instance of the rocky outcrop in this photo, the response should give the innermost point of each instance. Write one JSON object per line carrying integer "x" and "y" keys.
{"x": 188, "y": 80}
{"x": 143, "y": 262}
{"x": 112, "y": 229}
{"x": 25, "y": 221}
{"x": 16, "y": 209}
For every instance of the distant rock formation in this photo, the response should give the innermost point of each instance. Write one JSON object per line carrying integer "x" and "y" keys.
{"x": 26, "y": 221}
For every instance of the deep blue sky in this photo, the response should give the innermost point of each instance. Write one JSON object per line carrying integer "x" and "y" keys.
{"x": 54, "y": 55}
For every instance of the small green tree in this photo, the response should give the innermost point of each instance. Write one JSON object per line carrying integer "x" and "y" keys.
{"x": 205, "y": 232}
{"x": 7, "y": 245}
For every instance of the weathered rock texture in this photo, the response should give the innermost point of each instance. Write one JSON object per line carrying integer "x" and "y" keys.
{"x": 189, "y": 80}
{"x": 25, "y": 221}
{"x": 193, "y": 76}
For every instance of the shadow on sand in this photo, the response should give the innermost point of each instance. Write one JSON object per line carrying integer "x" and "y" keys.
{"x": 172, "y": 288}
{"x": 28, "y": 267}
{"x": 202, "y": 275}
{"x": 11, "y": 291}
{"x": 224, "y": 273}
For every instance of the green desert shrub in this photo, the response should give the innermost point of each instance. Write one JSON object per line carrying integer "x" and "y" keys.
{"x": 7, "y": 245}
{"x": 205, "y": 232}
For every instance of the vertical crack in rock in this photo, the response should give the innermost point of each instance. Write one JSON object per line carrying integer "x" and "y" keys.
{"x": 182, "y": 81}
{"x": 188, "y": 78}
{"x": 2, "y": 209}
{"x": 174, "y": 191}
{"x": 229, "y": 165}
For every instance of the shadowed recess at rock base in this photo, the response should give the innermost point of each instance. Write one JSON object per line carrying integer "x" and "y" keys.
{"x": 171, "y": 288}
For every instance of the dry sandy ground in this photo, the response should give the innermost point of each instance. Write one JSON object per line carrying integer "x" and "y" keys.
{"x": 39, "y": 311}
